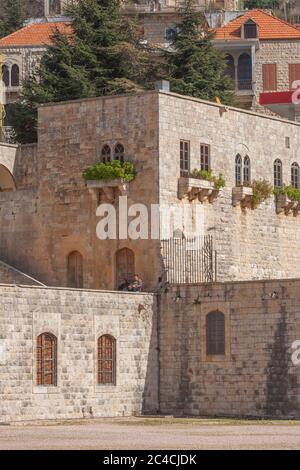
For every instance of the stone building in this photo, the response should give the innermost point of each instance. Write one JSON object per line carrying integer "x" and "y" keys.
{"x": 263, "y": 55}
{"x": 73, "y": 347}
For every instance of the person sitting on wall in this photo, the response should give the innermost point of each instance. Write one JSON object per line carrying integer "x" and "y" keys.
{"x": 124, "y": 286}
{"x": 136, "y": 285}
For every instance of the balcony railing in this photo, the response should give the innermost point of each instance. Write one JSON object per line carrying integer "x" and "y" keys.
{"x": 245, "y": 84}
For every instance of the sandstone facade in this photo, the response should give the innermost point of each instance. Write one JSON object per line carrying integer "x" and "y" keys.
{"x": 53, "y": 212}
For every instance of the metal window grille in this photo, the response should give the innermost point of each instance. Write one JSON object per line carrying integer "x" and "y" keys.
{"x": 46, "y": 360}
{"x": 106, "y": 360}
{"x": 215, "y": 333}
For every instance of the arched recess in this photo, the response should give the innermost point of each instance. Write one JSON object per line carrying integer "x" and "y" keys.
{"x": 125, "y": 266}
{"x": 7, "y": 182}
{"x": 75, "y": 270}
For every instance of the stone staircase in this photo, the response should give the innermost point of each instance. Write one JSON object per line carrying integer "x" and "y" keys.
{"x": 11, "y": 275}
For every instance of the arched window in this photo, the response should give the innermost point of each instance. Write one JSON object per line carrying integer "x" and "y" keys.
{"x": 238, "y": 170}
{"x": 106, "y": 154}
{"x": 215, "y": 333}
{"x": 277, "y": 173}
{"x": 124, "y": 266}
{"x": 107, "y": 360}
{"x": 46, "y": 360}
{"x": 5, "y": 75}
{"x": 119, "y": 153}
{"x": 247, "y": 170}
{"x": 244, "y": 72}
{"x": 295, "y": 175}
{"x": 15, "y": 75}
{"x": 230, "y": 68}
{"x": 75, "y": 270}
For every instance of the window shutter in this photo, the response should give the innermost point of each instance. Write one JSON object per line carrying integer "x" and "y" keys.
{"x": 294, "y": 73}
{"x": 269, "y": 77}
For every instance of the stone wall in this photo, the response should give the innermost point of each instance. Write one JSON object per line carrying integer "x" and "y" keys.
{"x": 256, "y": 376}
{"x": 77, "y": 319}
{"x": 10, "y": 275}
{"x": 251, "y": 244}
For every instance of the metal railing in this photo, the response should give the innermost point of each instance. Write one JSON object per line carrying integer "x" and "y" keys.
{"x": 189, "y": 260}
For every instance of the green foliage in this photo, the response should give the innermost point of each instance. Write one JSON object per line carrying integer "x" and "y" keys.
{"x": 12, "y": 16}
{"x": 263, "y": 4}
{"x": 111, "y": 171}
{"x": 292, "y": 193}
{"x": 195, "y": 66}
{"x": 262, "y": 190}
{"x": 103, "y": 56}
{"x": 219, "y": 181}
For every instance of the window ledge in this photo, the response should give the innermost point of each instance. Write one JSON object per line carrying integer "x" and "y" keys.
{"x": 195, "y": 188}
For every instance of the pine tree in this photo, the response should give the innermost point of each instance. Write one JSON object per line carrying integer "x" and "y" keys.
{"x": 196, "y": 67}
{"x": 12, "y": 16}
{"x": 104, "y": 55}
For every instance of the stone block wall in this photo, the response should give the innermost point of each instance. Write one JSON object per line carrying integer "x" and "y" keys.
{"x": 77, "y": 318}
{"x": 250, "y": 243}
{"x": 256, "y": 376}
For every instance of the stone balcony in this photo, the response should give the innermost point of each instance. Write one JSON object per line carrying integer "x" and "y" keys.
{"x": 109, "y": 190}
{"x": 242, "y": 195}
{"x": 286, "y": 205}
{"x": 195, "y": 188}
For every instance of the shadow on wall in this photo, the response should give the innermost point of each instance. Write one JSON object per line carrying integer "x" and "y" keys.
{"x": 279, "y": 381}
{"x": 150, "y": 401}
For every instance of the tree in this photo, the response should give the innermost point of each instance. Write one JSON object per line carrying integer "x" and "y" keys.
{"x": 103, "y": 55}
{"x": 12, "y": 16}
{"x": 196, "y": 67}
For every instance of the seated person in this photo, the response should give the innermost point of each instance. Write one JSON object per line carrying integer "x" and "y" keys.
{"x": 136, "y": 285}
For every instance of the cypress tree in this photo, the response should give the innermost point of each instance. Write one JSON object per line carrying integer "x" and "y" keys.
{"x": 195, "y": 66}
{"x": 12, "y": 16}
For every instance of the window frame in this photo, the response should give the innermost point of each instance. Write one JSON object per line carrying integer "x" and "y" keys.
{"x": 106, "y": 153}
{"x": 205, "y": 157}
{"x": 102, "y": 371}
{"x": 41, "y": 359}
{"x": 295, "y": 175}
{"x": 119, "y": 151}
{"x": 185, "y": 158}
{"x": 277, "y": 172}
{"x": 215, "y": 346}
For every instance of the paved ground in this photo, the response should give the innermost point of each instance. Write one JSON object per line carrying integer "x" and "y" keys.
{"x": 152, "y": 433}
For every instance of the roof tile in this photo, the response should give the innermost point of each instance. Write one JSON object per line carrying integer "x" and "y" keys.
{"x": 36, "y": 34}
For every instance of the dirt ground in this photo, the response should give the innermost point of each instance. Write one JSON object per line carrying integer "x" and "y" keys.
{"x": 151, "y": 433}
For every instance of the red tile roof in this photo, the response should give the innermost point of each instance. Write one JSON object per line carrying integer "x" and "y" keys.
{"x": 269, "y": 27}
{"x": 36, "y": 34}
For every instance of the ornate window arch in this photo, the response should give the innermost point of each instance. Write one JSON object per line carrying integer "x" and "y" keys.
{"x": 106, "y": 153}
{"x": 106, "y": 360}
{"x": 75, "y": 270}
{"x": 238, "y": 170}
{"x": 277, "y": 173}
{"x": 15, "y": 75}
{"x": 247, "y": 170}
{"x": 295, "y": 175}
{"x": 119, "y": 153}
{"x": 46, "y": 360}
{"x": 215, "y": 333}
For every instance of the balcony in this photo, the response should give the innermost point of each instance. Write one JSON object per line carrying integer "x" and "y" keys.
{"x": 194, "y": 188}
{"x": 286, "y": 205}
{"x": 109, "y": 190}
{"x": 242, "y": 195}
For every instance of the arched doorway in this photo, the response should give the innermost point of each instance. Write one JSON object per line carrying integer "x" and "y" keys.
{"x": 124, "y": 266}
{"x": 75, "y": 270}
{"x": 7, "y": 182}
{"x": 244, "y": 72}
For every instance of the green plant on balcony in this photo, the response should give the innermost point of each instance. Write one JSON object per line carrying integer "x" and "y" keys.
{"x": 262, "y": 190}
{"x": 110, "y": 171}
{"x": 292, "y": 193}
{"x": 207, "y": 175}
